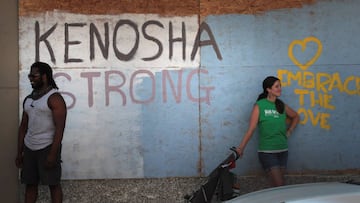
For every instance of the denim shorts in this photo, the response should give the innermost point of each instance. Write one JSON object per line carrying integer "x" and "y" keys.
{"x": 273, "y": 160}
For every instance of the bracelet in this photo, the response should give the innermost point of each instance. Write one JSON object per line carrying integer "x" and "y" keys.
{"x": 288, "y": 133}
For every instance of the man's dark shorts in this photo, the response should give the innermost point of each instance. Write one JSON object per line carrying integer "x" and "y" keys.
{"x": 273, "y": 160}
{"x": 34, "y": 171}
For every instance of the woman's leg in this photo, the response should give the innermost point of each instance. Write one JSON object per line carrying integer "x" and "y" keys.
{"x": 276, "y": 175}
{"x": 275, "y": 166}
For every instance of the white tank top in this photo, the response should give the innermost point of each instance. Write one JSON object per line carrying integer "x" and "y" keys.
{"x": 41, "y": 128}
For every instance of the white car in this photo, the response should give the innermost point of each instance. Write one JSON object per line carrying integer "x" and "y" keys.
{"x": 324, "y": 192}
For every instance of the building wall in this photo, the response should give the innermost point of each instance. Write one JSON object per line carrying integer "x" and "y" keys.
{"x": 9, "y": 99}
{"x": 146, "y": 99}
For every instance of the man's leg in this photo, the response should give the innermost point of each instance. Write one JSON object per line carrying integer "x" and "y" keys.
{"x": 31, "y": 192}
{"x": 51, "y": 176}
{"x": 29, "y": 175}
{"x": 56, "y": 193}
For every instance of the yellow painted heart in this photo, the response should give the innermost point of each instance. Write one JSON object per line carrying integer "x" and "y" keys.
{"x": 303, "y": 43}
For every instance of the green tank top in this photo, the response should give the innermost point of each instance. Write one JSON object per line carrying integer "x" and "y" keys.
{"x": 272, "y": 127}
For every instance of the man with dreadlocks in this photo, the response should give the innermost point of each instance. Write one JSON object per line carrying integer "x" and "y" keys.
{"x": 40, "y": 134}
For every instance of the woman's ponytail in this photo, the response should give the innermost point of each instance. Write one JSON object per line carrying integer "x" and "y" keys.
{"x": 280, "y": 106}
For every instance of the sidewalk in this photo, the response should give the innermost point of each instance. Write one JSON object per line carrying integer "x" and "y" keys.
{"x": 162, "y": 190}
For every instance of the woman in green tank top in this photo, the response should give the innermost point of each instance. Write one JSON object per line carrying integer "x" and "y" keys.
{"x": 270, "y": 114}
